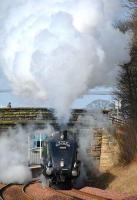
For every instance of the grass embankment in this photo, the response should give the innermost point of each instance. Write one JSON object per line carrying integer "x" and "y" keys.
{"x": 125, "y": 175}
{"x": 124, "y": 178}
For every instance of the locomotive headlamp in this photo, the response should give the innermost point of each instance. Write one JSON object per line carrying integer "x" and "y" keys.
{"x": 49, "y": 164}
{"x": 62, "y": 163}
{"x": 75, "y": 165}
{"x": 74, "y": 172}
{"x": 49, "y": 171}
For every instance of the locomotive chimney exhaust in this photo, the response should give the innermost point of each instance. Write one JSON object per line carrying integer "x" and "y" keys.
{"x": 64, "y": 135}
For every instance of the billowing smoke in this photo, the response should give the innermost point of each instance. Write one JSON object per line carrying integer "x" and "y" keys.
{"x": 14, "y": 158}
{"x": 14, "y": 154}
{"x": 56, "y": 50}
{"x": 85, "y": 127}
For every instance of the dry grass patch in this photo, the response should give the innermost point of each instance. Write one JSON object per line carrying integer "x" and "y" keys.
{"x": 125, "y": 179}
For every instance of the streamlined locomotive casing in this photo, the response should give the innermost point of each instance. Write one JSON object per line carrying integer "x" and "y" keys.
{"x": 60, "y": 165}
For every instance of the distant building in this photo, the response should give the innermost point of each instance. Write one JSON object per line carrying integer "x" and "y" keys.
{"x": 36, "y": 143}
{"x": 9, "y": 105}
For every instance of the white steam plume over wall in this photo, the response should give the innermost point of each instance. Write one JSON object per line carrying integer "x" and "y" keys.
{"x": 56, "y": 50}
{"x": 85, "y": 127}
{"x": 13, "y": 156}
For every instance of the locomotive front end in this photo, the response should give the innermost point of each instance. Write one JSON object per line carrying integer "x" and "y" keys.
{"x": 61, "y": 165}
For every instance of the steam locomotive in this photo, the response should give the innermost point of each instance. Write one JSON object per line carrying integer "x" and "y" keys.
{"x": 60, "y": 163}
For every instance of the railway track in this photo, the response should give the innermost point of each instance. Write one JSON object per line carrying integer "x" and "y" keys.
{"x": 80, "y": 195}
{"x": 2, "y": 185}
{"x": 13, "y": 192}
{"x": 36, "y": 192}
{"x": 28, "y": 197}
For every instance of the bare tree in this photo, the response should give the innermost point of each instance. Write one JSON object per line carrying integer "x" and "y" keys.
{"x": 127, "y": 91}
{"x": 127, "y": 83}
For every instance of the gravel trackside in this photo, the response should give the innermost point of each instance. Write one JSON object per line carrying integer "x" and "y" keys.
{"x": 77, "y": 194}
{"x": 111, "y": 195}
{"x": 13, "y": 192}
{"x": 38, "y": 193}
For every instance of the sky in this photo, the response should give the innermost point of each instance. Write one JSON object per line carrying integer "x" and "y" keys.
{"x": 16, "y": 101}
{"x": 81, "y": 102}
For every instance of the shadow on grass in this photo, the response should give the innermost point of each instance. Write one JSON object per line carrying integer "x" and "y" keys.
{"x": 101, "y": 181}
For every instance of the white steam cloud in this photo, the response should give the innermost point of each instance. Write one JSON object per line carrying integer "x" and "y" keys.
{"x": 85, "y": 129}
{"x": 13, "y": 155}
{"x": 56, "y": 50}
{"x": 15, "y": 148}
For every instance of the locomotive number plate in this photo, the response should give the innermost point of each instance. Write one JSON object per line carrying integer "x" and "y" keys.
{"x": 62, "y": 143}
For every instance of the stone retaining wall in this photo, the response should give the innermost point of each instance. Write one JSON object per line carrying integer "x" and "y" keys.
{"x": 105, "y": 150}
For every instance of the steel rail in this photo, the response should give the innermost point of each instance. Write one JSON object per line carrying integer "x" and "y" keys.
{"x": 3, "y": 191}
{"x": 80, "y": 195}
{"x": 28, "y": 197}
{"x": 89, "y": 195}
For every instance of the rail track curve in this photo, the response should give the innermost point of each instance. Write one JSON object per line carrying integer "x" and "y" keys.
{"x": 34, "y": 191}
{"x": 13, "y": 191}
